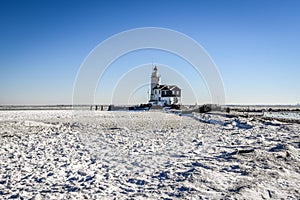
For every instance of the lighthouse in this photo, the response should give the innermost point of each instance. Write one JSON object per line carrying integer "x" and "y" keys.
{"x": 163, "y": 95}
{"x": 155, "y": 80}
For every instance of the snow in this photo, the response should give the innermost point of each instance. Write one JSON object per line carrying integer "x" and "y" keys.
{"x": 146, "y": 155}
{"x": 283, "y": 115}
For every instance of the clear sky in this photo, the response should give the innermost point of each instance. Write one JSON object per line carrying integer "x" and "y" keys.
{"x": 254, "y": 44}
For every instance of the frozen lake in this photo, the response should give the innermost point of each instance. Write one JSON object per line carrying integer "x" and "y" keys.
{"x": 283, "y": 115}
{"x": 146, "y": 155}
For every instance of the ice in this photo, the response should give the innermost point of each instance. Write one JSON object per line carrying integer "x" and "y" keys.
{"x": 146, "y": 155}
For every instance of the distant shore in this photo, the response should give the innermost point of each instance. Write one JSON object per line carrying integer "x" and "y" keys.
{"x": 238, "y": 108}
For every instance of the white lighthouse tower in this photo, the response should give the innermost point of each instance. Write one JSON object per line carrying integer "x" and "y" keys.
{"x": 155, "y": 80}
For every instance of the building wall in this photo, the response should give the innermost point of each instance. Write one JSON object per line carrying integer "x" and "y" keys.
{"x": 171, "y": 93}
{"x": 167, "y": 96}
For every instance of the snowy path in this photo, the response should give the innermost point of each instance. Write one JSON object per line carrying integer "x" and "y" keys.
{"x": 146, "y": 155}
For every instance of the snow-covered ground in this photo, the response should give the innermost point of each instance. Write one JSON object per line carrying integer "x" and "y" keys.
{"x": 283, "y": 115}
{"x": 146, "y": 155}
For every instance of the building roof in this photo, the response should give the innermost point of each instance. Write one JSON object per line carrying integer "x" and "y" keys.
{"x": 166, "y": 87}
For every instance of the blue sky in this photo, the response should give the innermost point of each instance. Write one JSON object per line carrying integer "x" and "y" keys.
{"x": 255, "y": 44}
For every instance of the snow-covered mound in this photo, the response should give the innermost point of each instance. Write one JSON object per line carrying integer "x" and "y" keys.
{"x": 146, "y": 155}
